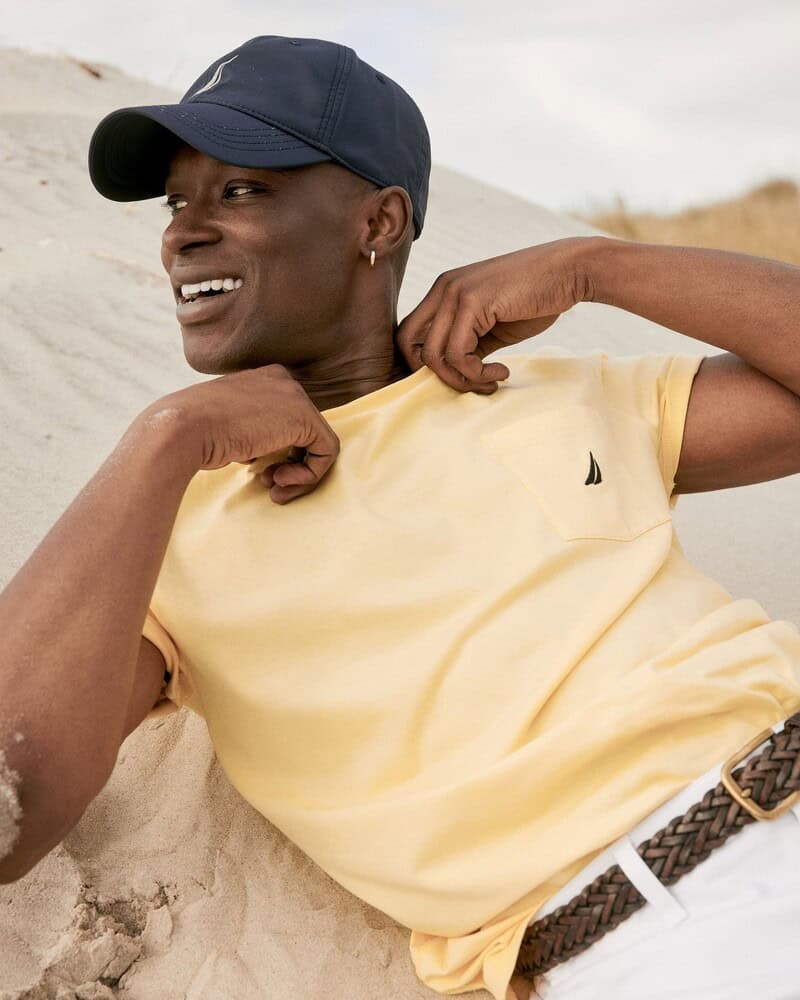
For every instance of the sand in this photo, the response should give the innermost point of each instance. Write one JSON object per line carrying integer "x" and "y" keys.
{"x": 171, "y": 885}
{"x": 10, "y": 809}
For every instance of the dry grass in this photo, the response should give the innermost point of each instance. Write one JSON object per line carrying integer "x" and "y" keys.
{"x": 764, "y": 222}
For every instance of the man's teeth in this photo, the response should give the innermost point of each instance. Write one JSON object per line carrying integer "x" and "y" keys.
{"x": 189, "y": 292}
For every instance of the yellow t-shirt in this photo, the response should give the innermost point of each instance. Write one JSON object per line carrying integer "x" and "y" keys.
{"x": 476, "y": 655}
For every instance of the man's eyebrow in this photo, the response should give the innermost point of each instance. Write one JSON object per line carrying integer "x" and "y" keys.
{"x": 288, "y": 174}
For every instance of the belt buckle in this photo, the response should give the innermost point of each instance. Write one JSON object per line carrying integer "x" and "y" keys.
{"x": 742, "y": 795}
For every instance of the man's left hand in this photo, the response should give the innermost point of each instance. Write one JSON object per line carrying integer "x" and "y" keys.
{"x": 474, "y": 310}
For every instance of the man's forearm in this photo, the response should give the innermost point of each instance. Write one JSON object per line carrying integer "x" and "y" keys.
{"x": 742, "y": 304}
{"x": 70, "y": 633}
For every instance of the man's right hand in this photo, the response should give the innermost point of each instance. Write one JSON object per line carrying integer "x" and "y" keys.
{"x": 251, "y": 413}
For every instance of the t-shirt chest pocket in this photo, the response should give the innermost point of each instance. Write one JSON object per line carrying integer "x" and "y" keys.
{"x": 594, "y": 474}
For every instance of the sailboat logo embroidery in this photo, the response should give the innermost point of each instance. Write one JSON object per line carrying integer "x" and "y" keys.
{"x": 594, "y": 472}
{"x": 215, "y": 79}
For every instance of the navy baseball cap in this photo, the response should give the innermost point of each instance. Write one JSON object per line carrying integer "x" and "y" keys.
{"x": 273, "y": 102}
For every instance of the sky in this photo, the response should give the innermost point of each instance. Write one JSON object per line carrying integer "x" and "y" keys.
{"x": 663, "y": 104}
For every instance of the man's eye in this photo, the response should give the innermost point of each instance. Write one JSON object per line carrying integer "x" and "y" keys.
{"x": 170, "y": 204}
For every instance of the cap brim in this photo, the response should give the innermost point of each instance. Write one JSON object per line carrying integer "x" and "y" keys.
{"x": 130, "y": 149}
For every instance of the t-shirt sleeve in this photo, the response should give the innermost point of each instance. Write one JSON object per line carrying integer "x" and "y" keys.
{"x": 171, "y": 695}
{"x": 656, "y": 388}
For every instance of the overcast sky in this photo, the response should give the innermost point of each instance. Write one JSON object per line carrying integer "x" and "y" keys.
{"x": 667, "y": 104}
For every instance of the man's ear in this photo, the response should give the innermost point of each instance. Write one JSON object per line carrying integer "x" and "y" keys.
{"x": 389, "y": 218}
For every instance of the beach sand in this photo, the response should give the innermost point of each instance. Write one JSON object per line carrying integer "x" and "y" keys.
{"x": 10, "y": 809}
{"x": 171, "y": 885}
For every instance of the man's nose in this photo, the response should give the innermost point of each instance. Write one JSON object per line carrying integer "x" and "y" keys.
{"x": 190, "y": 226}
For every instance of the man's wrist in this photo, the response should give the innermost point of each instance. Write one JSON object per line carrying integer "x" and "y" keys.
{"x": 168, "y": 433}
{"x": 598, "y": 263}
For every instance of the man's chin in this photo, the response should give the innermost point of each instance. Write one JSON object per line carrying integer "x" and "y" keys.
{"x": 204, "y": 359}
{"x": 213, "y": 350}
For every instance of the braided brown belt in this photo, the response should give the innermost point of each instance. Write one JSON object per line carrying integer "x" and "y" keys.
{"x": 764, "y": 788}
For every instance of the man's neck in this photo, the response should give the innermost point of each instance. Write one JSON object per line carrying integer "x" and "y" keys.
{"x": 344, "y": 379}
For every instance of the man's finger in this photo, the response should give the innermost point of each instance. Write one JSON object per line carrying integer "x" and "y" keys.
{"x": 463, "y": 352}
{"x": 318, "y": 462}
{"x": 410, "y": 334}
{"x": 267, "y": 472}
{"x": 461, "y": 343}
{"x": 285, "y": 494}
{"x": 433, "y": 350}
{"x": 412, "y": 351}
{"x": 293, "y": 474}
{"x": 462, "y": 367}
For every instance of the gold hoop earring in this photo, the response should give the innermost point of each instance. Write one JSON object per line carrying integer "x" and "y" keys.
{"x": 372, "y": 258}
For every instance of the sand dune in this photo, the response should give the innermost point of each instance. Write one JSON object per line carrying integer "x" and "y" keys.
{"x": 171, "y": 885}
{"x": 764, "y": 221}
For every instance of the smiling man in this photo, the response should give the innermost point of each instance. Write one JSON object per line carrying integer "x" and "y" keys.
{"x": 352, "y": 139}
{"x": 471, "y": 671}
{"x": 283, "y": 290}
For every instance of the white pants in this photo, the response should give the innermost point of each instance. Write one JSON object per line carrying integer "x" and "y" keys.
{"x": 728, "y": 930}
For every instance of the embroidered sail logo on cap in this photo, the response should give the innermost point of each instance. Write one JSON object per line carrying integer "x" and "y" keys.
{"x": 594, "y": 472}
{"x": 216, "y": 77}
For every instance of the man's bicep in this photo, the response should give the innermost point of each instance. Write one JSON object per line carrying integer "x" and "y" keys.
{"x": 741, "y": 427}
{"x": 157, "y": 649}
{"x": 148, "y": 684}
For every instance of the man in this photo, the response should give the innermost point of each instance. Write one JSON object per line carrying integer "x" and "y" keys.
{"x": 461, "y": 653}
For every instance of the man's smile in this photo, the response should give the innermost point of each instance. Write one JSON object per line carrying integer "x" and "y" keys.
{"x": 204, "y": 303}
{"x": 212, "y": 287}
{"x": 188, "y": 286}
